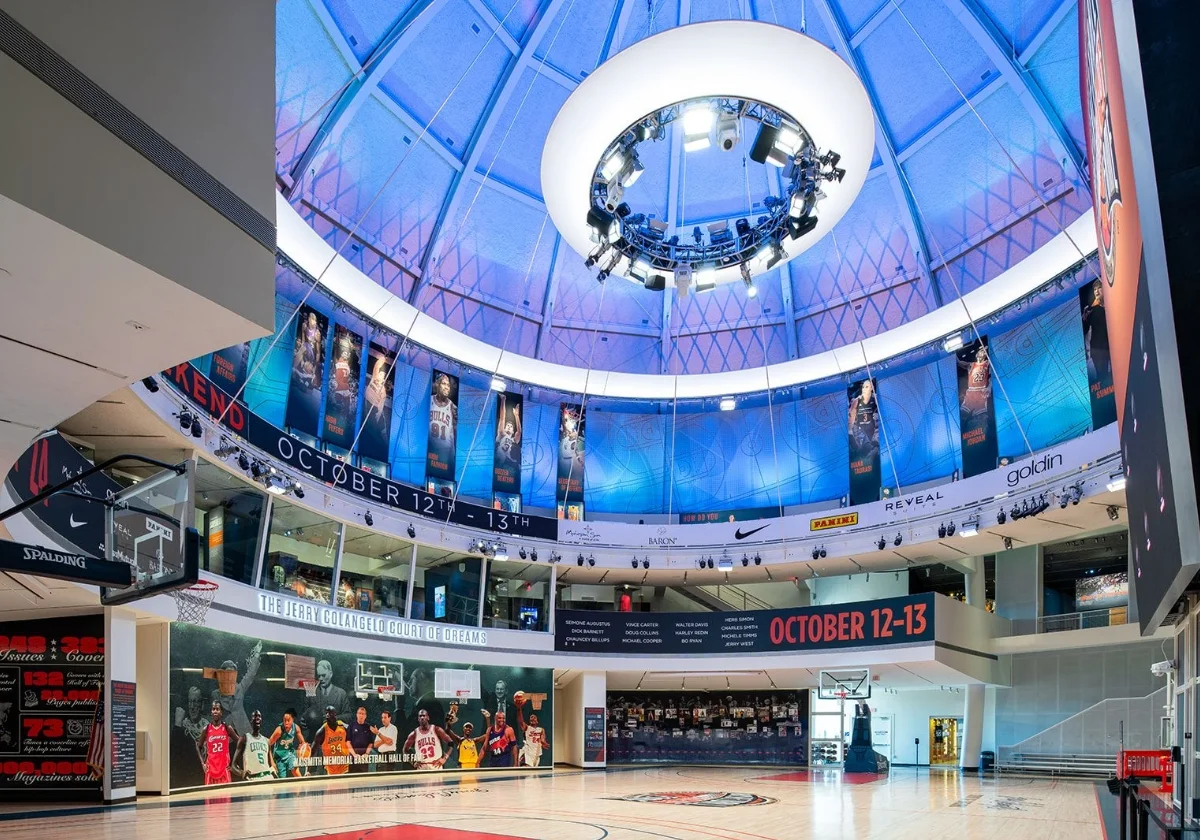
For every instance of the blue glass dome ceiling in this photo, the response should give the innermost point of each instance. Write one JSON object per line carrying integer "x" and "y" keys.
{"x": 419, "y": 127}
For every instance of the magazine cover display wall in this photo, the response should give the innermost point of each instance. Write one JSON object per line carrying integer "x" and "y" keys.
{"x": 240, "y": 712}
{"x": 708, "y": 727}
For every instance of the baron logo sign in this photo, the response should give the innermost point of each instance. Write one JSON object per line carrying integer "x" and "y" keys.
{"x": 708, "y": 799}
{"x": 825, "y": 523}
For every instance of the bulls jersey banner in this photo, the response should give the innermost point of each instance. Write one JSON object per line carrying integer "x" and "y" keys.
{"x": 977, "y": 414}
{"x": 374, "y": 440}
{"x": 506, "y": 458}
{"x": 863, "y": 429}
{"x": 443, "y": 427}
{"x": 572, "y": 446}
{"x": 341, "y": 403}
{"x": 1096, "y": 352}
{"x": 51, "y": 673}
{"x": 238, "y": 707}
{"x": 231, "y": 366}
{"x": 308, "y": 372}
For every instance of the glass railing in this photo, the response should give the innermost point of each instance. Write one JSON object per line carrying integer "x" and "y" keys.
{"x": 1071, "y": 621}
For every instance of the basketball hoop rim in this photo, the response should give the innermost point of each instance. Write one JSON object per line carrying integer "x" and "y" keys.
{"x": 203, "y": 586}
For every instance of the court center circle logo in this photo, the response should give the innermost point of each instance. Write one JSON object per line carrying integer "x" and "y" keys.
{"x": 709, "y": 799}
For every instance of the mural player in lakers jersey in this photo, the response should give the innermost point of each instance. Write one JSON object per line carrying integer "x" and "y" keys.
{"x": 333, "y": 742}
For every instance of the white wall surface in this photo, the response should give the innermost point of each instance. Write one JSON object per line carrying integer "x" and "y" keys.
{"x": 846, "y": 589}
{"x": 153, "y": 714}
{"x": 911, "y": 711}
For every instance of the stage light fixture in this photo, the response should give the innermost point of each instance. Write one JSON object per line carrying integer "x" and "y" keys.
{"x": 150, "y": 384}
{"x": 729, "y": 131}
{"x": 297, "y": 489}
{"x": 258, "y": 469}
{"x": 1008, "y": 543}
{"x": 635, "y": 562}
{"x": 1114, "y": 513}
{"x": 942, "y": 531}
{"x": 412, "y": 532}
{"x": 591, "y": 560}
{"x": 579, "y": 560}
{"x": 882, "y": 543}
{"x": 757, "y": 559}
{"x": 697, "y": 128}
{"x": 533, "y": 554}
{"x": 710, "y": 562}
{"x": 369, "y": 519}
{"x": 243, "y": 461}
{"x": 1063, "y": 501}
{"x": 725, "y": 564}
{"x": 728, "y": 403}
{"x": 225, "y": 449}
{"x": 897, "y": 540}
{"x": 522, "y": 553}
{"x": 953, "y": 343}
{"x": 612, "y": 165}
{"x": 646, "y": 562}
{"x": 799, "y": 227}
{"x": 950, "y": 529}
{"x": 816, "y": 553}
{"x": 969, "y": 528}
{"x": 745, "y": 560}
{"x": 1116, "y": 482}
{"x": 1001, "y": 517}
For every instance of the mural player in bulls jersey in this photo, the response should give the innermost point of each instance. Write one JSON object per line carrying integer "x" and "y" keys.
{"x": 215, "y": 748}
{"x": 500, "y": 742}
{"x": 508, "y": 436}
{"x": 425, "y": 744}
{"x": 443, "y": 427}
{"x": 978, "y": 395}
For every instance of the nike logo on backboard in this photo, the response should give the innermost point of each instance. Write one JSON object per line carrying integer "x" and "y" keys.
{"x": 75, "y": 524}
{"x": 738, "y": 535}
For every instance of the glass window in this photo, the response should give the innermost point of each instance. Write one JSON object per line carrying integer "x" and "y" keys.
{"x": 229, "y": 517}
{"x": 300, "y": 553}
{"x": 518, "y": 595}
{"x": 446, "y": 588}
{"x": 374, "y": 573}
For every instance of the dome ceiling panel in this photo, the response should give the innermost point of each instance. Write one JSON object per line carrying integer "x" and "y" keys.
{"x": 1022, "y": 20}
{"x": 517, "y": 16}
{"x": 918, "y": 61}
{"x": 390, "y": 189}
{"x": 499, "y": 254}
{"x": 309, "y": 73}
{"x": 513, "y": 152}
{"x": 967, "y": 188}
{"x": 1055, "y": 67}
{"x": 576, "y": 38}
{"x": 365, "y": 22}
{"x": 451, "y": 70}
{"x": 921, "y": 431}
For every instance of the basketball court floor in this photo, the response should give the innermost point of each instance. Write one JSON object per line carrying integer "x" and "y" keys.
{"x": 630, "y": 804}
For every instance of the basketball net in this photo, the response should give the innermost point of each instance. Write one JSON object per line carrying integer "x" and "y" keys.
{"x": 309, "y": 686}
{"x": 193, "y": 601}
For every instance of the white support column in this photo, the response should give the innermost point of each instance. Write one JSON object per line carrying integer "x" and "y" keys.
{"x": 154, "y": 712}
{"x": 975, "y": 583}
{"x": 120, "y": 664}
{"x": 973, "y": 726}
{"x": 412, "y": 580}
{"x": 587, "y": 691}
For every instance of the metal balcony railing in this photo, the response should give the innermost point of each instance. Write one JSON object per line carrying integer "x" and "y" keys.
{"x": 1071, "y": 621}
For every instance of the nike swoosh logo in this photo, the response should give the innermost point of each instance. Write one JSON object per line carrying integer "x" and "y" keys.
{"x": 738, "y": 535}
{"x": 75, "y": 524}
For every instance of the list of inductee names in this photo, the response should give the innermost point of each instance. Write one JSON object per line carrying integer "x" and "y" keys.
{"x": 50, "y": 676}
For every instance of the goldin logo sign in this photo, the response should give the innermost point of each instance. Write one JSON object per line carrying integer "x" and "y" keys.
{"x": 1044, "y": 464}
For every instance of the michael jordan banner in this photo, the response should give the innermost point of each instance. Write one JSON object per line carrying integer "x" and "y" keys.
{"x": 341, "y": 403}
{"x": 240, "y": 712}
{"x": 506, "y": 455}
{"x": 977, "y": 414}
{"x": 1097, "y": 355}
{"x": 230, "y": 366}
{"x": 572, "y": 446}
{"x": 308, "y": 372}
{"x": 443, "y": 428}
{"x": 862, "y": 425}
{"x": 375, "y": 439}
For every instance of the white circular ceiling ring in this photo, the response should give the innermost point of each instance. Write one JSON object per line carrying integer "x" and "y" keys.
{"x": 740, "y": 59}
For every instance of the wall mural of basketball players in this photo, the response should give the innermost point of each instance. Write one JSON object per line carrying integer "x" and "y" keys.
{"x": 572, "y": 447}
{"x": 374, "y": 440}
{"x": 862, "y": 423}
{"x": 506, "y": 456}
{"x": 443, "y": 431}
{"x": 336, "y": 732}
{"x": 1097, "y": 354}
{"x": 977, "y": 413}
{"x": 341, "y": 404}
{"x": 308, "y": 371}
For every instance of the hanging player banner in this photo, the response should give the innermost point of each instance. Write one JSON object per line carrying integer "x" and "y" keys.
{"x": 308, "y": 371}
{"x": 341, "y": 404}
{"x": 506, "y": 457}
{"x": 418, "y": 715}
{"x": 977, "y": 414}
{"x": 443, "y": 427}
{"x": 1099, "y": 359}
{"x": 229, "y": 366}
{"x": 863, "y": 429}
{"x": 572, "y": 444}
{"x": 375, "y": 439}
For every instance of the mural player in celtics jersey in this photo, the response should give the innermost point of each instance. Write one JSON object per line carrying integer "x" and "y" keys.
{"x": 254, "y": 752}
{"x": 215, "y": 747}
{"x": 285, "y": 741}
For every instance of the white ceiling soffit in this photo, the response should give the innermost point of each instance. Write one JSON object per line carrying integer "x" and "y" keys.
{"x": 305, "y": 246}
{"x": 80, "y": 321}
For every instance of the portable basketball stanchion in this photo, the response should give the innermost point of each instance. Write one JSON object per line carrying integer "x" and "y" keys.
{"x": 193, "y": 602}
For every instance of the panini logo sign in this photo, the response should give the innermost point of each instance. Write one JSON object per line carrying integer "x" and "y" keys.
{"x": 824, "y": 523}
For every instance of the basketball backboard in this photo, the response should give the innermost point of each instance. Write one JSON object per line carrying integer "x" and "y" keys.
{"x": 848, "y": 684}
{"x": 151, "y": 527}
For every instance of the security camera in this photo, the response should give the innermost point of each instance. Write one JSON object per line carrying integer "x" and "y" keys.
{"x": 1162, "y": 669}
{"x": 729, "y": 131}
